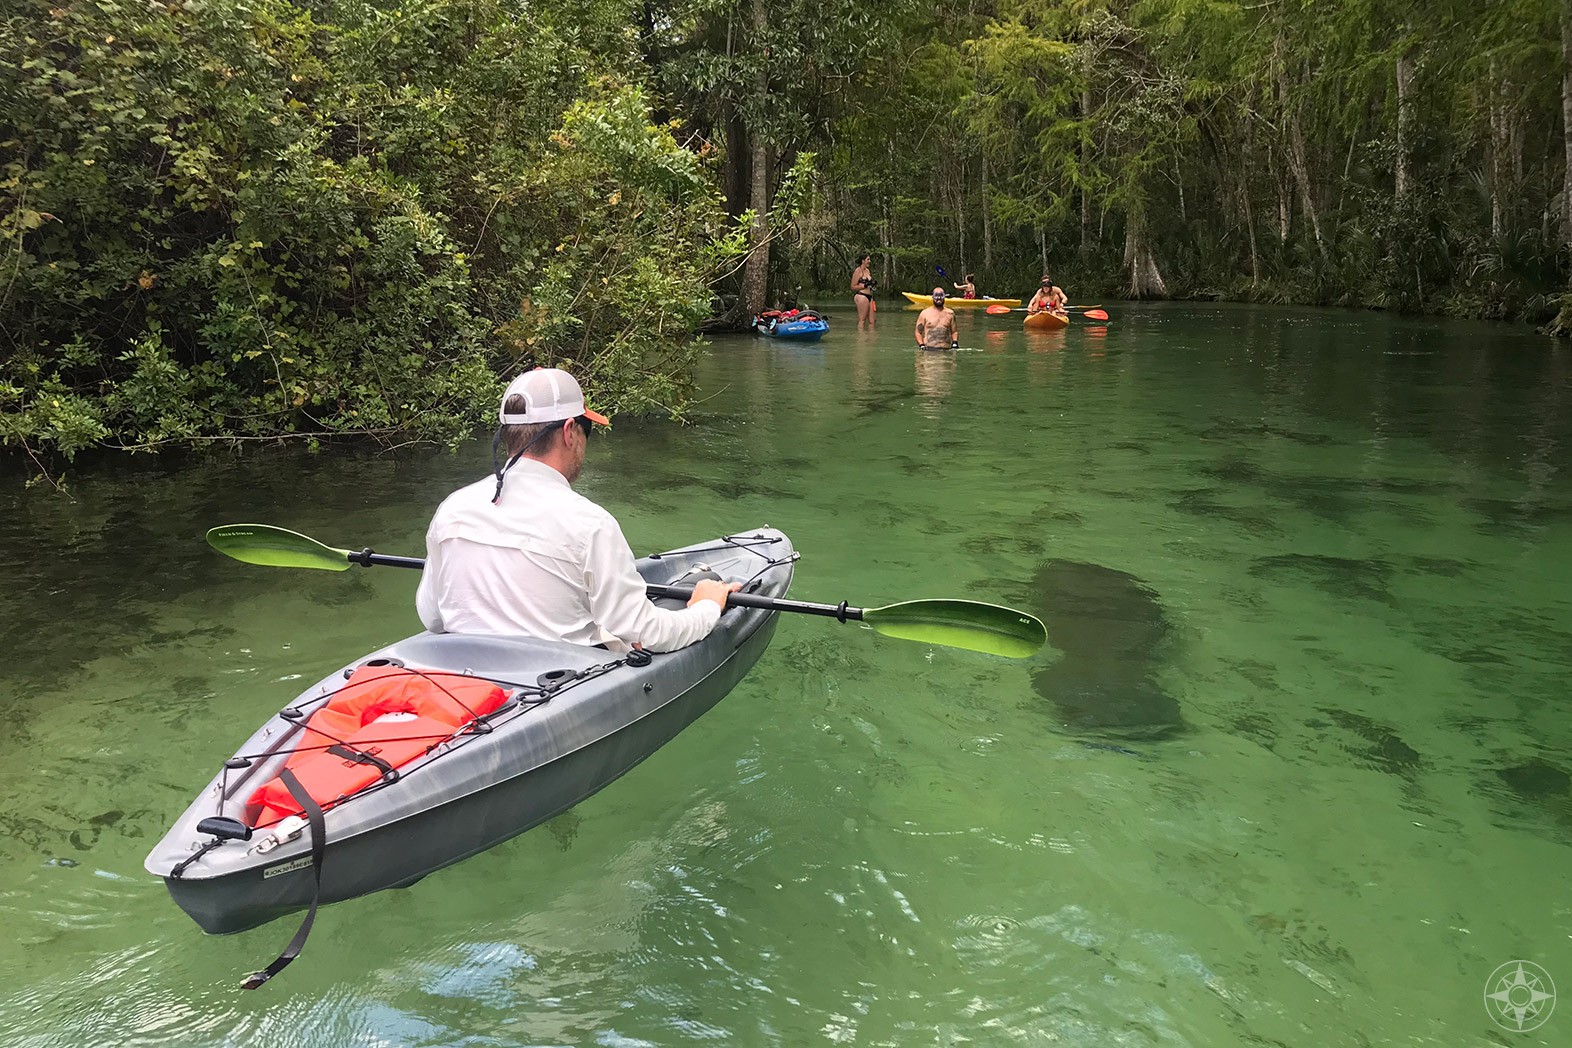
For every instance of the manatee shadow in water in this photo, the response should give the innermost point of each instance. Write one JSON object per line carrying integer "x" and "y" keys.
{"x": 1533, "y": 796}
{"x": 1111, "y": 630}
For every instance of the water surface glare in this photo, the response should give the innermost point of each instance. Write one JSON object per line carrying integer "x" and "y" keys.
{"x": 1294, "y": 769}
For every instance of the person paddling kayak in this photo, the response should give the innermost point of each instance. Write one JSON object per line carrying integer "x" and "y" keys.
{"x": 1049, "y": 297}
{"x": 537, "y": 559}
{"x": 936, "y": 325}
{"x": 967, "y": 287}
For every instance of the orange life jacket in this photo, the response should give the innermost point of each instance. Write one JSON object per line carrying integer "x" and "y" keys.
{"x": 345, "y": 733}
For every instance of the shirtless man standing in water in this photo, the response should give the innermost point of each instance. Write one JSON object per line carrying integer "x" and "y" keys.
{"x": 936, "y": 325}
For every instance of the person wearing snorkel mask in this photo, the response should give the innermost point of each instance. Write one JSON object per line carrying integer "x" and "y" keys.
{"x": 936, "y": 325}
{"x": 1049, "y": 297}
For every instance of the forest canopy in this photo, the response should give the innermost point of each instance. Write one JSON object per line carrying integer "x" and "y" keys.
{"x": 256, "y": 220}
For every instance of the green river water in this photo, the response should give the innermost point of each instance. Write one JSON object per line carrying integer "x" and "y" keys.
{"x": 1294, "y": 770}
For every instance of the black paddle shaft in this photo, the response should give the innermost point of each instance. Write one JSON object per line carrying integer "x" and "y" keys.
{"x": 366, "y": 559}
{"x": 753, "y": 600}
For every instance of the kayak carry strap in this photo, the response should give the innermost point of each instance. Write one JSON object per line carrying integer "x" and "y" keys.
{"x": 318, "y": 851}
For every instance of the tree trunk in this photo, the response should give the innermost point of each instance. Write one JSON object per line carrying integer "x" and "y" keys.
{"x": 1284, "y": 211}
{"x": 1297, "y": 162}
{"x": 987, "y": 220}
{"x": 1495, "y": 102}
{"x": 1255, "y": 255}
{"x": 960, "y": 218}
{"x": 1086, "y": 221}
{"x": 1145, "y": 280}
{"x": 1086, "y": 199}
{"x": 1301, "y": 169}
{"x": 1405, "y": 122}
{"x": 887, "y": 232}
{"x": 1562, "y": 325}
{"x": 1248, "y": 216}
{"x": 1566, "y": 119}
{"x": 736, "y": 133}
{"x": 756, "y": 273}
{"x": 886, "y": 277}
{"x": 1348, "y": 168}
{"x": 1246, "y": 165}
{"x": 1516, "y": 134}
{"x": 1279, "y": 182}
{"x": 736, "y": 160}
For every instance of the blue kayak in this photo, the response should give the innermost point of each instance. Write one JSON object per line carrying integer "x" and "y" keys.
{"x": 801, "y": 330}
{"x": 804, "y": 327}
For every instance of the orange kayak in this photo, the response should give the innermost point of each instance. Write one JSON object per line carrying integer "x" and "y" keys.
{"x": 1046, "y": 321}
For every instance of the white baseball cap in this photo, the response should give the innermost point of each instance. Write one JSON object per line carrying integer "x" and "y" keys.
{"x": 550, "y": 395}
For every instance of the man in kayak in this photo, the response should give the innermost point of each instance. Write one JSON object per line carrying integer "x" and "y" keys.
{"x": 522, "y": 553}
{"x": 1049, "y": 297}
{"x": 936, "y": 325}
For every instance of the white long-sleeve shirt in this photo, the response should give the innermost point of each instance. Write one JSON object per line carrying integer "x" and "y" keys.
{"x": 544, "y": 562}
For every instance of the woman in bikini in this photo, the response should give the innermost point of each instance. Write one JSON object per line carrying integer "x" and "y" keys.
{"x": 863, "y": 285}
{"x": 1049, "y": 297}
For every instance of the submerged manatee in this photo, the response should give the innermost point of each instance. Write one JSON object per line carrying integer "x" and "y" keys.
{"x": 1530, "y": 794}
{"x": 1110, "y": 628}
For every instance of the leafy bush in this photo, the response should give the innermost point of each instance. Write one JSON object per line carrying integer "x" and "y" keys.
{"x": 247, "y": 219}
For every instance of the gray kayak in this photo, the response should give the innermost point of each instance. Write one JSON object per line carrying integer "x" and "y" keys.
{"x": 567, "y": 721}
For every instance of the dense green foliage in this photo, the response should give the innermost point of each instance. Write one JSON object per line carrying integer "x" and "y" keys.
{"x": 257, "y": 218}
{"x": 233, "y": 219}
{"x": 1367, "y": 152}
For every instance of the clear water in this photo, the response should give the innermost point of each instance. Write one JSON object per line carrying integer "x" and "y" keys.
{"x": 1295, "y": 772}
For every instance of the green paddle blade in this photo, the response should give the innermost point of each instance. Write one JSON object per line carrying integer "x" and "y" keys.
{"x": 275, "y": 547}
{"x": 968, "y": 624}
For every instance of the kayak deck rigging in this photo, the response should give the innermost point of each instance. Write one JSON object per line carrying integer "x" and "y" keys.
{"x": 518, "y": 699}
{"x": 380, "y": 770}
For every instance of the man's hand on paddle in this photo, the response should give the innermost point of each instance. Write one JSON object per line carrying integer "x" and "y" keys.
{"x": 712, "y": 589}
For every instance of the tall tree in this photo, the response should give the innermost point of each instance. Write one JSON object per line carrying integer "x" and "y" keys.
{"x": 804, "y": 64}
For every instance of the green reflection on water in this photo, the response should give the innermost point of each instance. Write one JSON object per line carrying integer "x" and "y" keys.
{"x": 1294, "y": 767}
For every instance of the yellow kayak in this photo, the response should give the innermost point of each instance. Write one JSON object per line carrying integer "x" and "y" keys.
{"x": 960, "y": 303}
